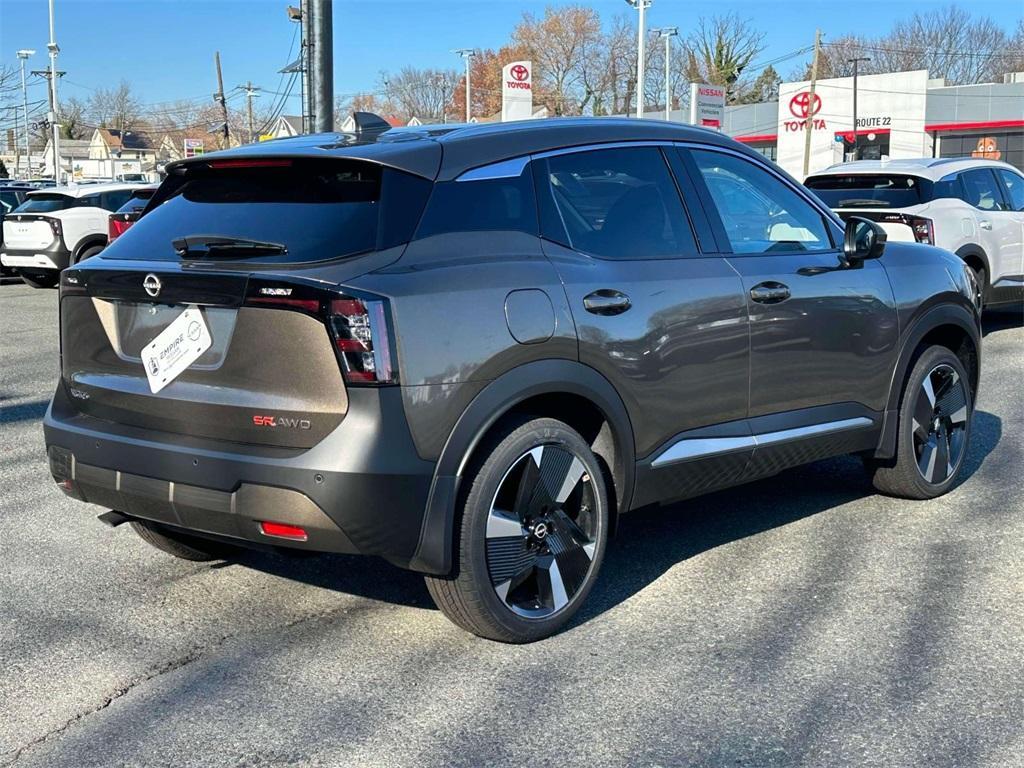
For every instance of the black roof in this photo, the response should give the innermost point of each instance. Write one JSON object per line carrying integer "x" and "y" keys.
{"x": 443, "y": 152}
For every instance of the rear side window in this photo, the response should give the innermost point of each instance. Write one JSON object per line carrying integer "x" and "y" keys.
{"x": 980, "y": 189}
{"x": 1013, "y": 185}
{"x": 138, "y": 201}
{"x": 619, "y": 203}
{"x": 46, "y": 203}
{"x": 504, "y": 204}
{"x": 111, "y": 201}
{"x": 868, "y": 190}
{"x": 318, "y": 210}
{"x": 760, "y": 213}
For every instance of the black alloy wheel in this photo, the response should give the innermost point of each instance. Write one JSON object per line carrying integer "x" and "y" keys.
{"x": 541, "y": 532}
{"x": 940, "y": 424}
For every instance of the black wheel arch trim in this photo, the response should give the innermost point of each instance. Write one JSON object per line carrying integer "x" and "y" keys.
{"x": 87, "y": 243}
{"x": 973, "y": 249}
{"x": 542, "y": 377}
{"x": 935, "y": 317}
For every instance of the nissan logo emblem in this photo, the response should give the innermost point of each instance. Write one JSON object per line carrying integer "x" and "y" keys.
{"x": 152, "y": 285}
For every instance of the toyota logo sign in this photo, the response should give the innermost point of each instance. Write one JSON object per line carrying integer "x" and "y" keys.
{"x": 519, "y": 72}
{"x": 152, "y": 285}
{"x": 801, "y": 105}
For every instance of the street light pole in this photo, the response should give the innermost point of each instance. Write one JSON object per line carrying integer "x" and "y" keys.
{"x": 641, "y": 6}
{"x": 856, "y": 139}
{"x": 54, "y": 49}
{"x": 467, "y": 54}
{"x": 667, "y": 33}
{"x": 24, "y": 54}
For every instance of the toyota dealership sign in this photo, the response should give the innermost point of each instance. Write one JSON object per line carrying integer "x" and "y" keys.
{"x": 517, "y": 91}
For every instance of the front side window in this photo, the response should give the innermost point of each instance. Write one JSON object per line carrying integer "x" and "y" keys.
{"x": 619, "y": 203}
{"x": 111, "y": 201}
{"x": 1013, "y": 184}
{"x": 980, "y": 189}
{"x": 759, "y": 212}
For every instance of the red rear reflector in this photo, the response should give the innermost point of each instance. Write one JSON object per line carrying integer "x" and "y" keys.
{"x": 283, "y": 531}
{"x": 250, "y": 164}
{"x": 310, "y": 305}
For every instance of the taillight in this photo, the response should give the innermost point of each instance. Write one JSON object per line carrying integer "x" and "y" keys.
{"x": 360, "y": 331}
{"x": 922, "y": 228}
{"x": 55, "y": 226}
{"x": 117, "y": 225}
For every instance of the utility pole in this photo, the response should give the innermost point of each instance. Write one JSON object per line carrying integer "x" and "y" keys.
{"x": 856, "y": 139}
{"x": 250, "y": 93}
{"x": 667, "y": 33}
{"x": 305, "y": 47}
{"x": 23, "y": 55}
{"x": 321, "y": 81}
{"x": 810, "y": 104}
{"x": 219, "y": 97}
{"x": 467, "y": 54}
{"x": 641, "y": 6}
{"x": 53, "y": 49}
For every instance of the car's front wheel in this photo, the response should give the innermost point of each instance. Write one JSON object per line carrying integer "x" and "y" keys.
{"x": 934, "y": 429}
{"x": 532, "y": 534}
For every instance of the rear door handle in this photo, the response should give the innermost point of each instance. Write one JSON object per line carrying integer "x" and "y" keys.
{"x": 769, "y": 293}
{"x": 606, "y": 302}
{"x": 985, "y": 224}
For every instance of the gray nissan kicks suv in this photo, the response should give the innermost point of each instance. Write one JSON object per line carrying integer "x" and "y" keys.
{"x": 469, "y": 349}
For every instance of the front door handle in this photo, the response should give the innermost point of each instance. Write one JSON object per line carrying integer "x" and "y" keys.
{"x": 769, "y": 293}
{"x": 606, "y": 302}
{"x": 985, "y": 224}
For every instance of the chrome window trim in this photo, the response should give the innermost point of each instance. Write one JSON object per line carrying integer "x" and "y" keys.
{"x": 503, "y": 169}
{"x": 688, "y": 449}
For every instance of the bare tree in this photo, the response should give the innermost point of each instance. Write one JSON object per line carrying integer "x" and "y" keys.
{"x": 720, "y": 49}
{"x": 117, "y": 107}
{"x": 422, "y": 93}
{"x": 73, "y": 118}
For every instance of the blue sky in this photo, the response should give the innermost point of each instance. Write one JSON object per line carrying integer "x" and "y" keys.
{"x": 165, "y": 47}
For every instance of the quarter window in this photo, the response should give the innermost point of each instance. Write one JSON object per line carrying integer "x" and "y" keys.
{"x": 504, "y": 204}
{"x": 759, "y": 212}
{"x": 619, "y": 203}
{"x": 1013, "y": 184}
{"x": 980, "y": 189}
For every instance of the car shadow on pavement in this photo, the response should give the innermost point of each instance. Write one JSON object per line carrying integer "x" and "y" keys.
{"x": 1001, "y": 320}
{"x": 649, "y": 541}
{"x": 31, "y": 411}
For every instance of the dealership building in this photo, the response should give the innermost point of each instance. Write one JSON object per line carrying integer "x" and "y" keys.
{"x": 899, "y": 115}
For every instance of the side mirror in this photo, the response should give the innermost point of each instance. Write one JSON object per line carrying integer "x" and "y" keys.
{"x": 863, "y": 239}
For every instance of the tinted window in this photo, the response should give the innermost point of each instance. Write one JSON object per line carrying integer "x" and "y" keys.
{"x": 619, "y": 203}
{"x": 111, "y": 201}
{"x": 479, "y": 206}
{"x": 317, "y": 210}
{"x": 1013, "y": 184}
{"x": 947, "y": 187}
{"x": 9, "y": 199}
{"x": 136, "y": 203}
{"x": 759, "y": 212}
{"x": 980, "y": 189}
{"x": 867, "y": 191}
{"x": 46, "y": 203}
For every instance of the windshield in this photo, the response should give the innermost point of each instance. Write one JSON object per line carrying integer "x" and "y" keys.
{"x": 46, "y": 203}
{"x": 867, "y": 190}
{"x": 316, "y": 210}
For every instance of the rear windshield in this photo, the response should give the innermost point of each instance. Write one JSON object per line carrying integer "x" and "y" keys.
{"x": 138, "y": 201}
{"x": 868, "y": 190}
{"x": 317, "y": 210}
{"x": 46, "y": 203}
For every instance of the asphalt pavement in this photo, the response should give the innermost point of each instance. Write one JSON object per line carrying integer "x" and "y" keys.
{"x": 798, "y": 621}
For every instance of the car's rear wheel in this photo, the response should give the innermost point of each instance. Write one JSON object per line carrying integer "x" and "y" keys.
{"x": 980, "y": 284}
{"x": 39, "y": 279}
{"x": 182, "y": 545}
{"x": 934, "y": 429}
{"x": 88, "y": 253}
{"x": 532, "y": 534}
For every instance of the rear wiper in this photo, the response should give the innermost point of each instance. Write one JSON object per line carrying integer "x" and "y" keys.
{"x": 857, "y": 202}
{"x": 198, "y": 246}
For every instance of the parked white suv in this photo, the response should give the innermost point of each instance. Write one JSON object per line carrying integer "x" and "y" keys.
{"x": 970, "y": 206}
{"x": 57, "y": 227}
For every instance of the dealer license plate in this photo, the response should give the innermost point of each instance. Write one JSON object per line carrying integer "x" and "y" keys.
{"x": 176, "y": 347}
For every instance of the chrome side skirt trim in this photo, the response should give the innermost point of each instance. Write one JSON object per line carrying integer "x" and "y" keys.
{"x": 706, "y": 447}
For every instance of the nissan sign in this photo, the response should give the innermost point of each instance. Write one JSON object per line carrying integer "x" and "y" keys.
{"x": 707, "y": 105}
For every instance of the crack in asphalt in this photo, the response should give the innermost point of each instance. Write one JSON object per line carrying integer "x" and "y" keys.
{"x": 194, "y": 654}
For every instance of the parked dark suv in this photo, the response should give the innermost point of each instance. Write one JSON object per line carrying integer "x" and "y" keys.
{"x": 469, "y": 350}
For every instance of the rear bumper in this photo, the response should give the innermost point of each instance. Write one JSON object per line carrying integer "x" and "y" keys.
{"x": 55, "y": 257}
{"x": 362, "y": 490}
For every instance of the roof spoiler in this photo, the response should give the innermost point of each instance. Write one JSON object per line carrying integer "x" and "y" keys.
{"x": 368, "y": 123}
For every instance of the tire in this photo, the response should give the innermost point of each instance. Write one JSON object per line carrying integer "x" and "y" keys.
{"x": 981, "y": 284}
{"x": 521, "y": 574}
{"x": 88, "y": 253}
{"x": 929, "y": 457}
{"x": 182, "y": 545}
{"x": 40, "y": 279}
